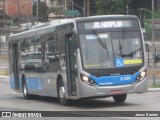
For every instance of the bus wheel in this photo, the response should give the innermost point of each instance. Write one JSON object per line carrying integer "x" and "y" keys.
{"x": 120, "y": 98}
{"x": 61, "y": 93}
{"x": 25, "y": 90}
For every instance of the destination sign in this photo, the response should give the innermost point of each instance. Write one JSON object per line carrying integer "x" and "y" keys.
{"x": 107, "y": 24}
{"x": 91, "y": 36}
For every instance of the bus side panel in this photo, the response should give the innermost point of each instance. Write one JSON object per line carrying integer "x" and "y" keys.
{"x": 34, "y": 85}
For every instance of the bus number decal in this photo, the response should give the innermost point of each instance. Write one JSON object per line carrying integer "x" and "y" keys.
{"x": 125, "y": 78}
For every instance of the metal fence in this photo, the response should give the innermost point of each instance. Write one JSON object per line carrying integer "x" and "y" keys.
{"x": 149, "y": 55}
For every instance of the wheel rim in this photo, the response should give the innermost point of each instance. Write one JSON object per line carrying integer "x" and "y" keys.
{"x": 61, "y": 92}
{"x": 25, "y": 89}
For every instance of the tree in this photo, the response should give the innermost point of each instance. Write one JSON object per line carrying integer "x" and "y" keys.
{"x": 42, "y": 11}
{"x": 112, "y": 6}
{"x": 53, "y": 9}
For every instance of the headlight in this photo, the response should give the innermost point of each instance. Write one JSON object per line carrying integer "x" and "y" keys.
{"x": 87, "y": 80}
{"x": 142, "y": 75}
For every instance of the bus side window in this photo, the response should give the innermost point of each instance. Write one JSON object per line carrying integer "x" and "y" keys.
{"x": 53, "y": 58}
{"x": 61, "y": 50}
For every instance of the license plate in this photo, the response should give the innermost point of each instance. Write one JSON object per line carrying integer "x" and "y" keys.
{"x": 116, "y": 91}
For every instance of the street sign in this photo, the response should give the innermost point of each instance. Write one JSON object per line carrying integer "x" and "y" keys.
{"x": 72, "y": 13}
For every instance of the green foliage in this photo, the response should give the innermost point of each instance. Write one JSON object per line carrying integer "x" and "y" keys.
{"x": 112, "y": 6}
{"x": 54, "y": 9}
{"x": 148, "y": 26}
{"x": 157, "y": 14}
{"x": 155, "y": 86}
{"x": 149, "y": 15}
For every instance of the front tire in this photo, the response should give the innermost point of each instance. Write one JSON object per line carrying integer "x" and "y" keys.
{"x": 120, "y": 98}
{"x": 62, "y": 93}
{"x": 25, "y": 90}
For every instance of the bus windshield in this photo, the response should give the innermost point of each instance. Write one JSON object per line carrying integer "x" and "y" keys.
{"x": 111, "y": 49}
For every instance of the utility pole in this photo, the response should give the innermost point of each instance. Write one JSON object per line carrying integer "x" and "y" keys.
{"x": 127, "y": 9}
{"x": 88, "y": 6}
{"x": 4, "y": 13}
{"x": 84, "y": 8}
{"x": 37, "y": 10}
{"x": 72, "y": 5}
{"x": 19, "y": 14}
{"x": 0, "y": 44}
{"x": 140, "y": 15}
{"x": 60, "y": 4}
{"x": 65, "y": 7}
{"x": 153, "y": 43}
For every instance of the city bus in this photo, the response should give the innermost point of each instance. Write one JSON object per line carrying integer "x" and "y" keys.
{"x": 89, "y": 57}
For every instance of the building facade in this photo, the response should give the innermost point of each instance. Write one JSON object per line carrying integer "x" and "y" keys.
{"x": 17, "y": 7}
{"x": 11, "y": 14}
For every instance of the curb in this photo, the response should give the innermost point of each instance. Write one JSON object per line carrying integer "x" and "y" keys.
{"x": 153, "y": 89}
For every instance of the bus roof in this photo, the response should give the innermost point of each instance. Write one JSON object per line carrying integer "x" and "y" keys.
{"x": 106, "y": 17}
{"x": 51, "y": 26}
{"x": 37, "y": 31}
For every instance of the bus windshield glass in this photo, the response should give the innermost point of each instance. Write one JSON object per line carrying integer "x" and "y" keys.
{"x": 109, "y": 50}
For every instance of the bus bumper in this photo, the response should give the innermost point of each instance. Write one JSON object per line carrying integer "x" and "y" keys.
{"x": 86, "y": 91}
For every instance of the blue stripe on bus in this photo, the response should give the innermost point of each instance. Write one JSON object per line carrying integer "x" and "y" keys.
{"x": 115, "y": 80}
{"x": 34, "y": 83}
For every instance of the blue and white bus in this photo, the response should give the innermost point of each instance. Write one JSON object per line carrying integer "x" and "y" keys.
{"x": 100, "y": 56}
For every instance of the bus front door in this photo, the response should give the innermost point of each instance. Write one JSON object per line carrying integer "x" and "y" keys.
{"x": 71, "y": 66}
{"x": 15, "y": 66}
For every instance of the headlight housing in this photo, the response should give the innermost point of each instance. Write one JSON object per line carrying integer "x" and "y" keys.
{"x": 87, "y": 80}
{"x": 142, "y": 75}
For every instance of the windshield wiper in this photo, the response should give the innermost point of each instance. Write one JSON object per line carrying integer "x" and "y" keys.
{"x": 101, "y": 41}
{"x": 121, "y": 42}
{"x": 132, "y": 53}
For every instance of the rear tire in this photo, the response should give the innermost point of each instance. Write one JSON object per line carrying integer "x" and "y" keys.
{"x": 120, "y": 98}
{"x": 25, "y": 90}
{"x": 62, "y": 93}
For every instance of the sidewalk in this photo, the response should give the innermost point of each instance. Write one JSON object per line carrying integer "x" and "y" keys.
{"x": 153, "y": 89}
